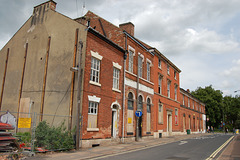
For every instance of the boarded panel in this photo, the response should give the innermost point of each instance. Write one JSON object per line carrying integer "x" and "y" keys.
{"x": 130, "y": 121}
{"x": 24, "y": 109}
{"x": 148, "y": 122}
{"x": 92, "y": 121}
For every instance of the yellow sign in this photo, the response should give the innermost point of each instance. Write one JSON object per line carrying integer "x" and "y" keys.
{"x": 24, "y": 123}
{"x": 129, "y": 120}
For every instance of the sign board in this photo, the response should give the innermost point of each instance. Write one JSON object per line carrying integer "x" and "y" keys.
{"x": 138, "y": 113}
{"x": 129, "y": 120}
{"x": 24, "y": 123}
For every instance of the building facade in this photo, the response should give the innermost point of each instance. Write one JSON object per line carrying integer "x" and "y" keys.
{"x": 119, "y": 75}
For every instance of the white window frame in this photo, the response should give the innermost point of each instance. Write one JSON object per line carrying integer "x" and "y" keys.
{"x": 188, "y": 102}
{"x": 193, "y": 104}
{"x": 140, "y": 66}
{"x": 160, "y": 78}
{"x": 169, "y": 89}
{"x": 130, "y": 61}
{"x": 183, "y": 99}
{"x": 168, "y": 69}
{"x": 95, "y": 70}
{"x": 176, "y": 116}
{"x": 160, "y": 113}
{"x": 131, "y": 52}
{"x": 148, "y": 71}
{"x": 92, "y": 108}
{"x": 175, "y": 92}
{"x": 175, "y": 74}
{"x": 159, "y": 63}
{"x": 116, "y": 75}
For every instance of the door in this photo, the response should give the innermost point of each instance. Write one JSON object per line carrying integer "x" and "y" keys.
{"x": 169, "y": 123}
{"x": 140, "y": 127}
{"x": 114, "y": 123}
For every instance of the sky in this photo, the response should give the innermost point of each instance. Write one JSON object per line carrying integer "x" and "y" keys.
{"x": 201, "y": 37}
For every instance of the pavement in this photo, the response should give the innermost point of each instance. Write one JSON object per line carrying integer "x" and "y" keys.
{"x": 231, "y": 151}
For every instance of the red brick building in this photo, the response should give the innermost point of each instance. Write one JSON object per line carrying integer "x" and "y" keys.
{"x": 151, "y": 84}
{"x": 121, "y": 75}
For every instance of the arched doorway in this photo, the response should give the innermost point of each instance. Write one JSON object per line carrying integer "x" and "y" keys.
{"x": 114, "y": 127}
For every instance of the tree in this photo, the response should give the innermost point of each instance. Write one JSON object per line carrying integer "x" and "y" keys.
{"x": 232, "y": 111}
{"x": 213, "y": 100}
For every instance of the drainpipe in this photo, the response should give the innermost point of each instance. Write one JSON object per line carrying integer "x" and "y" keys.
{"x": 137, "y": 128}
{"x": 124, "y": 75}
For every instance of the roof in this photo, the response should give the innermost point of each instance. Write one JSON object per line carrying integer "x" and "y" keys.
{"x": 101, "y": 24}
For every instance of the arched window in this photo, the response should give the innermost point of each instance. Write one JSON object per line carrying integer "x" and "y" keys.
{"x": 148, "y": 105}
{"x": 140, "y": 102}
{"x": 130, "y": 101}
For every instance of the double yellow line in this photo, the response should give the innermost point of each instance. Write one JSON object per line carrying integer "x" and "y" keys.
{"x": 212, "y": 156}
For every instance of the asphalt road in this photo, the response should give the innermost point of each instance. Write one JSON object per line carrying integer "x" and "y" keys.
{"x": 194, "y": 149}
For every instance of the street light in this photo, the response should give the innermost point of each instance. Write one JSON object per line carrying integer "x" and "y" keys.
{"x": 236, "y": 91}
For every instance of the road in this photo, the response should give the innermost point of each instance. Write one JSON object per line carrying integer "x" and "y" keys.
{"x": 195, "y": 149}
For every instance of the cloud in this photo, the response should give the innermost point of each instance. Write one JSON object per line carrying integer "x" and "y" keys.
{"x": 201, "y": 37}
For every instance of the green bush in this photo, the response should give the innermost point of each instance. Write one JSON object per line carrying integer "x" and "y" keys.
{"x": 53, "y": 138}
{"x": 24, "y": 137}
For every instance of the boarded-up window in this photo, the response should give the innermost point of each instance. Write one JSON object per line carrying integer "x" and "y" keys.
{"x": 160, "y": 113}
{"x": 92, "y": 114}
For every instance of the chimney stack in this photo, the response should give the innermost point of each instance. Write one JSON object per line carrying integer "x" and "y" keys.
{"x": 46, "y": 5}
{"x": 128, "y": 27}
{"x": 39, "y": 11}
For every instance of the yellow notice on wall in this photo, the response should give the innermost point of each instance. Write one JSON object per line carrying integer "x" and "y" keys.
{"x": 129, "y": 120}
{"x": 24, "y": 123}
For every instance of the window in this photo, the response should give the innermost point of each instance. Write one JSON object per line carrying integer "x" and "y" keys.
{"x": 159, "y": 63}
{"x": 176, "y": 116}
{"x": 130, "y": 64}
{"x": 148, "y": 71}
{"x": 92, "y": 108}
{"x": 148, "y": 105}
{"x": 93, "y": 104}
{"x": 193, "y": 104}
{"x": 175, "y": 92}
{"x": 188, "y": 102}
{"x": 160, "y": 113}
{"x": 140, "y": 102}
{"x": 168, "y": 88}
{"x": 168, "y": 70}
{"x": 183, "y": 99}
{"x": 95, "y": 70}
{"x": 196, "y": 107}
{"x": 160, "y": 84}
{"x": 175, "y": 74}
{"x": 116, "y": 73}
{"x": 130, "y": 101}
{"x": 140, "y": 64}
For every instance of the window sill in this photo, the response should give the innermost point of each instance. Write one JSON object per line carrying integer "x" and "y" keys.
{"x": 116, "y": 90}
{"x": 92, "y": 129}
{"x": 95, "y": 83}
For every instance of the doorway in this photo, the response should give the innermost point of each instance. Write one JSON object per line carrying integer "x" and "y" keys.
{"x": 169, "y": 123}
{"x": 114, "y": 123}
{"x": 140, "y": 127}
